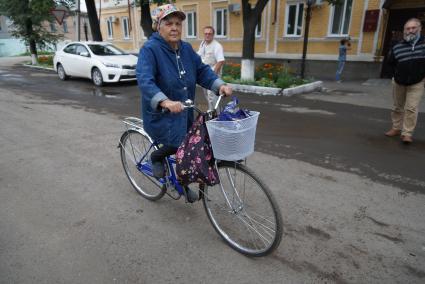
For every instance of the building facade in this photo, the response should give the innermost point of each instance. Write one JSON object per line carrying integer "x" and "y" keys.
{"x": 372, "y": 26}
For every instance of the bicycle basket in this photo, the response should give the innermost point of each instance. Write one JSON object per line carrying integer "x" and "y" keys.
{"x": 233, "y": 140}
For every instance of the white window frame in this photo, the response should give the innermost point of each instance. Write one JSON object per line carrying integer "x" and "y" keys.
{"x": 124, "y": 22}
{"x": 226, "y": 27}
{"x": 258, "y": 33}
{"x": 194, "y": 24}
{"x": 331, "y": 20}
{"x": 297, "y": 12}
{"x": 109, "y": 28}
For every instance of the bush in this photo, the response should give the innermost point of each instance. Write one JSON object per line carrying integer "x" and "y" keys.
{"x": 45, "y": 60}
{"x": 266, "y": 75}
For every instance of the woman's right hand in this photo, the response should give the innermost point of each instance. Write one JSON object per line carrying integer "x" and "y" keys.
{"x": 172, "y": 106}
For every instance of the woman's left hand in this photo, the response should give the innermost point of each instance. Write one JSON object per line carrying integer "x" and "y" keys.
{"x": 225, "y": 90}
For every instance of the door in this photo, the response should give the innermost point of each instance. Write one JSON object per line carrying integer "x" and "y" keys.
{"x": 82, "y": 61}
{"x": 394, "y": 33}
{"x": 67, "y": 59}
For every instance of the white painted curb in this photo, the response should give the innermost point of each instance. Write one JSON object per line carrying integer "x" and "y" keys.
{"x": 269, "y": 91}
{"x": 38, "y": 67}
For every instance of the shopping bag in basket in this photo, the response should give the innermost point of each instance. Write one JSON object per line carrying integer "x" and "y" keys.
{"x": 194, "y": 158}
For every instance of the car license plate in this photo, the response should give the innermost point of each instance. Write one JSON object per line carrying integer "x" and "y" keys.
{"x": 131, "y": 72}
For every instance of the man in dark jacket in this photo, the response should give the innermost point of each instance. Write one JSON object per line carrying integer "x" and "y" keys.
{"x": 408, "y": 61}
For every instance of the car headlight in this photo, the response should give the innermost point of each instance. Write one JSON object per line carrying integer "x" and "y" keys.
{"x": 113, "y": 65}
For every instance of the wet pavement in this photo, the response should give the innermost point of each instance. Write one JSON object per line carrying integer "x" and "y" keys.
{"x": 334, "y": 129}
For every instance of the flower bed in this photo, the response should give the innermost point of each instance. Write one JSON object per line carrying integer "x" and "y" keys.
{"x": 266, "y": 75}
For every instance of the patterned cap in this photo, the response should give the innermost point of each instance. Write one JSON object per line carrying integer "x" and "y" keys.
{"x": 159, "y": 13}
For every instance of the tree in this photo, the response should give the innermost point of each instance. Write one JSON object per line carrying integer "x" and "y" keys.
{"x": 251, "y": 16}
{"x": 27, "y": 18}
{"x": 93, "y": 20}
{"x": 310, "y": 4}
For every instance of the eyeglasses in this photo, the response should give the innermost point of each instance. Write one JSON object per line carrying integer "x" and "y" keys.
{"x": 208, "y": 33}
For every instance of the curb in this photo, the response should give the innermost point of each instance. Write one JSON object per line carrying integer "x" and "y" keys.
{"x": 269, "y": 91}
{"x": 38, "y": 67}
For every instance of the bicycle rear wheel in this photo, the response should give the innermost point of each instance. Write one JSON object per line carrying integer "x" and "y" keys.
{"x": 243, "y": 211}
{"x": 135, "y": 157}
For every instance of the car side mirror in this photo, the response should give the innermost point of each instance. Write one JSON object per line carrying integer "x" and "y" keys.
{"x": 85, "y": 54}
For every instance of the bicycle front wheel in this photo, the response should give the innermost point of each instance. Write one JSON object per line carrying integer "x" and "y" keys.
{"x": 135, "y": 157}
{"x": 243, "y": 211}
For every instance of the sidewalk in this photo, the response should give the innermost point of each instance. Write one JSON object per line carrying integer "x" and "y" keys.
{"x": 10, "y": 61}
{"x": 372, "y": 93}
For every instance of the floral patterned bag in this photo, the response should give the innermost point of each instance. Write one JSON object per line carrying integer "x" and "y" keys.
{"x": 194, "y": 158}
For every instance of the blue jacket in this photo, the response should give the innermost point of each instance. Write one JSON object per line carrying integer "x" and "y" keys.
{"x": 162, "y": 73}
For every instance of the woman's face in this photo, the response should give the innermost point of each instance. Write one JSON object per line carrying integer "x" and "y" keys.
{"x": 171, "y": 29}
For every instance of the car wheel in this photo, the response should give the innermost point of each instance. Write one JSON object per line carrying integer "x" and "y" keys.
{"x": 96, "y": 77}
{"x": 61, "y": 73}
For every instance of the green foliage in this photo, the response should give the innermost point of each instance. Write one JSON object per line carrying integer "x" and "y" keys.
{"x": 28, "y": 18}
{"x": 141, "y": 2}
{"x": 46, "y": 60}
{"x": 266, "y": 75}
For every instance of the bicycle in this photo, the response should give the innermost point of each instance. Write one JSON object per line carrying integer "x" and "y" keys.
{"x": 241, "y": 208}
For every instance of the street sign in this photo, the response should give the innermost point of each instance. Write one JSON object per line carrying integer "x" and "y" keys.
{"x": 59, "y": 13}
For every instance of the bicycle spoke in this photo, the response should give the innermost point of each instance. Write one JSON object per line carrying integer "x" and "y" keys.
{"x": 249, "y": 226}
{"x": 265, "y": 228}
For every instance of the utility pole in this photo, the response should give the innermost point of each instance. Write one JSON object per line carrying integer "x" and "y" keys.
{"x": 306, "y": 31}
{"x": 78, "y": 21}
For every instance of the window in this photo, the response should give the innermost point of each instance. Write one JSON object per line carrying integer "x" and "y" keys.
{"x": 105, "y": 50}
{"x": 110, "y": 28}
{"x": 65, "y": 26}
{"x": 70, "y": 49}
{"x": 125, "y": 28}
{"x": 81, "y": 49}
{"x": 258, "y": 27}
{"x": 340, "y": 18}
{"x": 52, "y": 27}
{"x": 220, "y": 22}
{"x": 294, "y": 19}
{"x": 191, "y": 28}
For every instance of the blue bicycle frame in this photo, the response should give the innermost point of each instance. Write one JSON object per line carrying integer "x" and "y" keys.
{"x": 146, "y": 168}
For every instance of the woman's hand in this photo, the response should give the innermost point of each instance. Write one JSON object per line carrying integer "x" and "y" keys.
{"x": 225, "y": 90}
{"x": 172, "y": 106}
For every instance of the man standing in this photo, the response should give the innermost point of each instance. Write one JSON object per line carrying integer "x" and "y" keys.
{"x": 344, "y": 46}
{"x": 408, "y": 61}
{"x": 211, "y": 53}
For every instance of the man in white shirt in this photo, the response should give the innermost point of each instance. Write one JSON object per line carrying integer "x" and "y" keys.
{"x": 211, "y": 53}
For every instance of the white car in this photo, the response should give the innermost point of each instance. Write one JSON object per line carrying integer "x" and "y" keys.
{"x": 99, "y": 61}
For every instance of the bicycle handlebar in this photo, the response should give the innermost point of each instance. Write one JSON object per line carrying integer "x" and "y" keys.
{"x": 190, "y": 104}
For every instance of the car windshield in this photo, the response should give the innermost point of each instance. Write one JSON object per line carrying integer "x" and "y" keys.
{"x": 105, "y": 50}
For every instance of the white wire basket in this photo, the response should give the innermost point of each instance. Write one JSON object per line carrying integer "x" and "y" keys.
{"x": 233, "y": 140}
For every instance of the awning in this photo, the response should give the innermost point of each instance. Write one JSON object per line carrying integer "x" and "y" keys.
{"x": 387, "y": 4}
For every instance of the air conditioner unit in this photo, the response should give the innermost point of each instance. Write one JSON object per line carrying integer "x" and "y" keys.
{"x": 235, "y": 8}
{"x": 113, "y": 19}
{"x": 318, "y": 2}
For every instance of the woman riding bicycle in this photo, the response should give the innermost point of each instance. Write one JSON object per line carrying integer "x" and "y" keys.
{"x": 167, "y": 72}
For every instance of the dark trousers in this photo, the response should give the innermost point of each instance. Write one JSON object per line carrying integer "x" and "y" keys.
{"x": 161, "y": 153}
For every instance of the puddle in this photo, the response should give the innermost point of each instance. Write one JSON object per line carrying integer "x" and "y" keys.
{"x": 97, "y": 92}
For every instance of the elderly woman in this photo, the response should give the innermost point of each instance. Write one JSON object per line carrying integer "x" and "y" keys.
{"x": 168, "y": 70}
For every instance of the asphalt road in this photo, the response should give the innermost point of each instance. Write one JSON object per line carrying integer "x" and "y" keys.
{"x": 352, "y": 200}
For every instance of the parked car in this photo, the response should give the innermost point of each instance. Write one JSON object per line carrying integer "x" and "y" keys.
{"x": 101, "y": 62}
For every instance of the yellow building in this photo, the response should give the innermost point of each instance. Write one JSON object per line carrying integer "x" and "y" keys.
{"x": 371, "y": 25}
